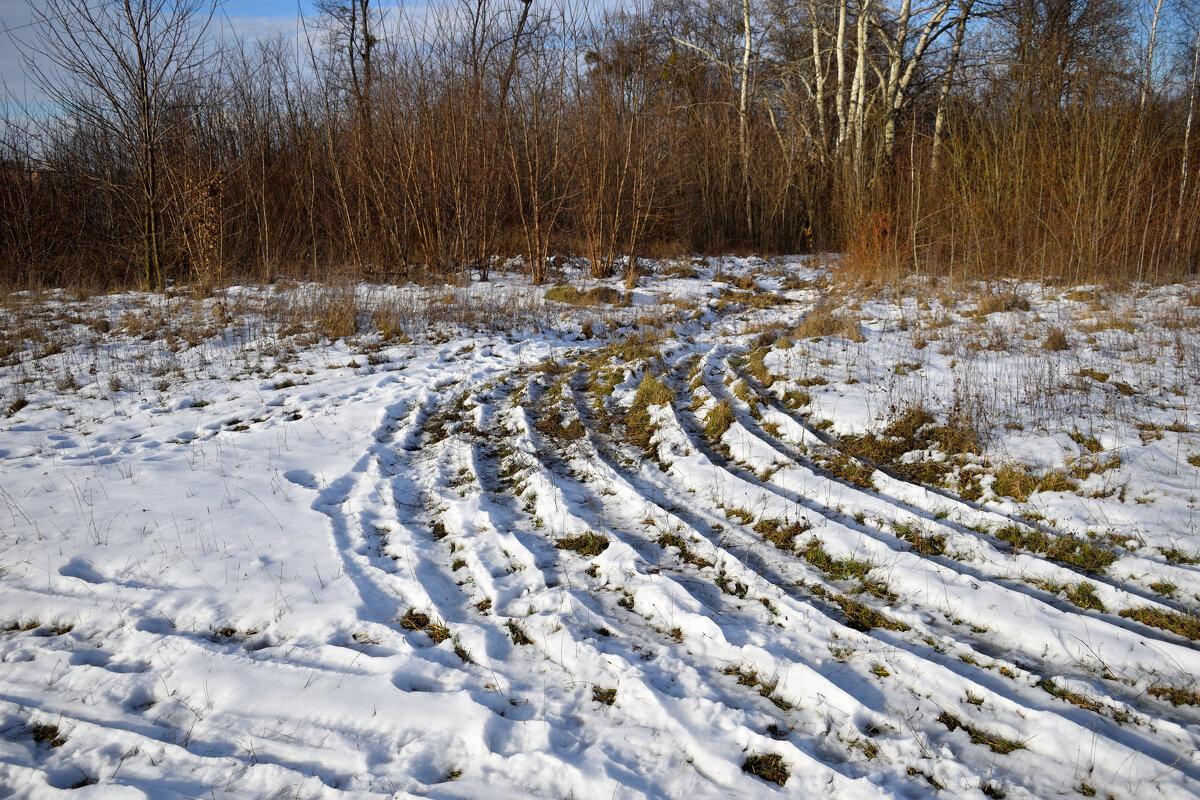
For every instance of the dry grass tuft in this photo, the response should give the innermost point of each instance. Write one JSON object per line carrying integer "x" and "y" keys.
{"x": 598, "y": 295}
{"x": 1001, "y": 302}
{"x": 1078, "y": 552}
{"x": 651, "y": 392}
{"x": 781, "y": 533}
{"x": 338, "y": 313}
{"x": 770, "y": 768}
{"x": 1056, "y": 339}
{"x": 1183, "y": 624}
{"x": 821, "y": 322}
{"x": 1175, "y": 695}
{"x": 1084, "y": 595}
{"x": 997, "y": 743}
{"x": 718, "y": 420}
{"x": 604, "y": 696}
{"x": 586, "y": 544}
{"x": 416, "y": 621}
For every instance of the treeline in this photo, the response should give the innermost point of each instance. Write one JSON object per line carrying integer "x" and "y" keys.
{"x": 972, "y": 138}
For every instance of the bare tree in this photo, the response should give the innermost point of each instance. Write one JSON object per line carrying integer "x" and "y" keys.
{"x": 115, "y": 66}
{"x": 353, "y": 34}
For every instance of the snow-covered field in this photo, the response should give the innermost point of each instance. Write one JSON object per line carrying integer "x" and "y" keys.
{"x": 748, "y": 533}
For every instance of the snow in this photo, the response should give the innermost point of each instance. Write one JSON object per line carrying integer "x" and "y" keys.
{"x": 238, "y": 559}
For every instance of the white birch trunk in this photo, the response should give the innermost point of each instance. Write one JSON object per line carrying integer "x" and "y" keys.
{"x": 1187, "y": 136}
{"x": 939, "y": 121}
{"x": 818, "y": 82}
{"x": 1150, "y": 46}
{"x": 840, "y": 52}
{"x": 859, "y": 89}
{"x": 743, "y": 110}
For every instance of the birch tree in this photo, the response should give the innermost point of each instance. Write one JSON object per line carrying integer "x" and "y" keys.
{"x": 903, "y": 63}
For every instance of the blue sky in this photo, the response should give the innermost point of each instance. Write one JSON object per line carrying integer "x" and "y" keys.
{"x": 249, "y": 18}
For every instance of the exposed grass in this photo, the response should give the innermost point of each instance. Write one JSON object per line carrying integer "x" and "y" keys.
{"x": 1182, "y": 624}
{"x": 742, "y": 391}
{"x": 1056, "y": 339}
{"x": 681, "y": 271}
{"x": 1084, "y": 596}
{"x": 337, "y": 313}
{"x": 1078, "y": 552}
{"x": 416, "y": 621}
{"x": 390, "y": 321}
{"x": 1177, "y": 556}
{"x": 843, "y": 569}
{"x": 551, "y": 424}
{"x": 718, "y": 420}
{"x": 48, "y": 735}
{"x": 1094, "y": 374}
{"x": 1013, "y": 481}
{"x": 821, "y": 322}
{"x": 925, "y": 545}
{"x": 860, "y": 616}
{"x": 1089, "y": 443}
{"x": 1006, "y": 300}
{"x": 913, "y": 772}
{"x": 731, "y": 587}
{"x": 586, "y": 544}
{"x": 1164, "y": 588}
{"x": 757, "y": 368}
{"x": 770, "y": 767}
{"x": 1056, "y": 481}
{"x": 745, "y": 677}
{"x": 1081, "y": 700}
{"x": 848, "y": 469}
{"x": 997, "y": 743}
{"x": 633, "y": 348}
{"x": 781, "y": 533}
{"x": 1175, "y": 695}
{"x": 916, "y": 430}
{"x": 517, "y": 634}
{"x": 604, "y": 696}
{"x": 651, "y": 392}
{"x": 796, "y": 399}
{"x": 755, "y": 300}
{"x": 598, "y": 295}
{"x": 685, "y": 553}
{"x": 743, "y": 515}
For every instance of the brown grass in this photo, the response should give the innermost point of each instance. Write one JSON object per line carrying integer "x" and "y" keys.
{"x": 718, "y": 420}
{"x": 586, "y": 544}
{"x": 1183, "y": 624}
{"x": 416, "y": 621}
{"x": 997, "y": 743}
{"x": 821, "y": 323}
{"x": 651, "y": 392}
{"x": 770, "y": 767}
{"x": 781, "y": 533}
{"x": 597, "y": 295}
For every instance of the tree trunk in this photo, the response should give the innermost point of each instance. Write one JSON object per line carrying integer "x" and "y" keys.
{"x": 743, "y": 121}
{"x": 1187, "y": 137}
{"x": 939, "y": 122}
{"x": 840, "y": 53}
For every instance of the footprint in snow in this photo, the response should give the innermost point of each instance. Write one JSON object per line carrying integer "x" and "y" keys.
{"x": 302, "y": 478}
